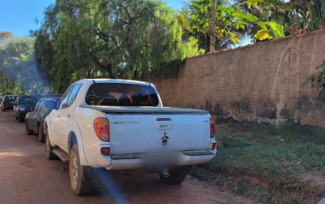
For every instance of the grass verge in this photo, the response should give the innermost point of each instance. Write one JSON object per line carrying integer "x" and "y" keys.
{"x": 272, "y": 165}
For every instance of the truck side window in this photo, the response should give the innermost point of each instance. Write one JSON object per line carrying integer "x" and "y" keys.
{"x": 65, "y": 97}
{"x": 73, "y": 94}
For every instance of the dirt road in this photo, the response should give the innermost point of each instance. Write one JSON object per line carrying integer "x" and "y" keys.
{"x": 27, "y": 177}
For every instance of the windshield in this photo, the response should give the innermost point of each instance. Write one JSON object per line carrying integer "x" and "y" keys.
{"x": 104, "y": 94}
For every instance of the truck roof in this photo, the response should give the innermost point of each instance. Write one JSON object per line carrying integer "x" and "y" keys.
{"x": 107, "y": 80}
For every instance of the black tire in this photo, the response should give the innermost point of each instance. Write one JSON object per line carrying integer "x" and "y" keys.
{"x": 41, "y": 135}
{"x": 21, "y": 119}
{"x": 3, "y": 110}
{"x": 49, "y": 149}
{"x": 174, "y": 176}
{"x": 78, "y": 183}
{"x": 28, "y": 131}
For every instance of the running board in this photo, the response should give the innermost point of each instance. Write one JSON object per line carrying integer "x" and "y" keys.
{"x": 61, "y": 154}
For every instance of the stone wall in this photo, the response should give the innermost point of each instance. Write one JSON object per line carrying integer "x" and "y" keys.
{"x": 263, "y": 82}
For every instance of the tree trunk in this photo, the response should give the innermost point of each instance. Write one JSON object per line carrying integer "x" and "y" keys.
{"x": 213, "y": 27}
{"x": 110, "y": 71}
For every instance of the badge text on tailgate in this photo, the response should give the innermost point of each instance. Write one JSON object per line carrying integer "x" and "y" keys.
{"x": 164, "y": 139}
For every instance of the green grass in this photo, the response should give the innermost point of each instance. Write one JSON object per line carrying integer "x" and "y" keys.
{"x": 270, "y": 164}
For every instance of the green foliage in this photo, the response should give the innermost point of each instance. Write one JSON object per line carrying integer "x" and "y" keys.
{"x": 295, "y": 16}
{"x": 310, "y": 14}
{"x": 5, "y": 36}
{"x": 267, "y": 29}
{"x": 125, "y": 39}
{"x": 195, "y": 20}
{"x": 18, "y": 71}
{"x": 232, "y": 22}
{"x": 269, "y": 163}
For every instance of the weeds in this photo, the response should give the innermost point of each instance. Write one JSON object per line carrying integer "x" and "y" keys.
{"x": 273, "y": 165}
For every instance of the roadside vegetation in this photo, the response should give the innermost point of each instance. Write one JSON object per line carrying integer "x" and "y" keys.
{"x": 272, "y": 165}
{"x": 131, "y": 39}
{"x": 18, "y": 67}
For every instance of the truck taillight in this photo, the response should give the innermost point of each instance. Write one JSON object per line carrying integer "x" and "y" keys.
{"x": 214, "y": 146}
{"x": 212, "y": 128}
{"x": 105, "y": 151}
{"x": 101, "y": 126}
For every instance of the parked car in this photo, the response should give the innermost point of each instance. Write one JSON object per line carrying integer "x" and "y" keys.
{"x": 23, "y": 105}
{"x": 120, "y": 124}
{"x": 35, "y": 119}
{"x": 7, "y": 102}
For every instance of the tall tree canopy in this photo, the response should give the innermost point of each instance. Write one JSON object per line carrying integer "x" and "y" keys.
{"x": 230, "y": 22}
{"x": 4, "y": 35}
{"x": 112, "y": 38}
{"x": 18, "y": 70}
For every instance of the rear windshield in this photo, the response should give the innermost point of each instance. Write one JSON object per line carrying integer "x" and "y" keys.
{"x": 10, "y": 98}
{"x": 24, "y": 100}
{"x": 104, "y": 94}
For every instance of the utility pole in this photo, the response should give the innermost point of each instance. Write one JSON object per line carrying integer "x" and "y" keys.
{"x": 213, "y": 27}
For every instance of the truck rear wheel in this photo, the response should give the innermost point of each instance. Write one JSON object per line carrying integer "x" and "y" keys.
{"x": 174, "y": 176}
{"x": 78, "y": 183}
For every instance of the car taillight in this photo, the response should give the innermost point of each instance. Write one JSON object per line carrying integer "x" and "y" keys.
{"x": 212, "y": 128}
{"x": 101, "y": 126}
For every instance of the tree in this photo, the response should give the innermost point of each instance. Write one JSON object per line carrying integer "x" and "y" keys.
{"x": 5, "y": 36}
{"x": 231, "y": 22}
{"x": 197, "y": 22}
{"x": 111, "y": 38}
{"x": 310, "y": 14}
{"x": 18, "y": 71}
{"x": 212, "y": 26}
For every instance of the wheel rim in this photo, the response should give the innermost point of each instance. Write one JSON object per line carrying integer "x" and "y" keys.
{"x": 74, "y": 170}
{"x": 165, "y": 174}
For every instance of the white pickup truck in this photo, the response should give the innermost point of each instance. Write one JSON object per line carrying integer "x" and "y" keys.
{"x": 122, "y": 124}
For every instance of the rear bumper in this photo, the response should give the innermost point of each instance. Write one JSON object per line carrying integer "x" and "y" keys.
{"x": 179, "y": 159}
{"x": 7, "y": 107}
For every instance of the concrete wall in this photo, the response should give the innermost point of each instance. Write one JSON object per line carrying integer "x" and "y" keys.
{"x": 261, "y": 82}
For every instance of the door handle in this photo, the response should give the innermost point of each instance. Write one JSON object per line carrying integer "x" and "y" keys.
{"x": 68, "y": 115}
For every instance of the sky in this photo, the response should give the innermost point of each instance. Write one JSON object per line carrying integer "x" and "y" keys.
{"x": 20, "y": 16}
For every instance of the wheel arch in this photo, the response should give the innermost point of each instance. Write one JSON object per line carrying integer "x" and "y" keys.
{"x": 72, "y": 139}
{"x": 47, "y": 132}
{"x": 75, "y": 137}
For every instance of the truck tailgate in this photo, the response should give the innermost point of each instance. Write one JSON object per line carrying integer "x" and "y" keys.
{"x": 149, "y": 132}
